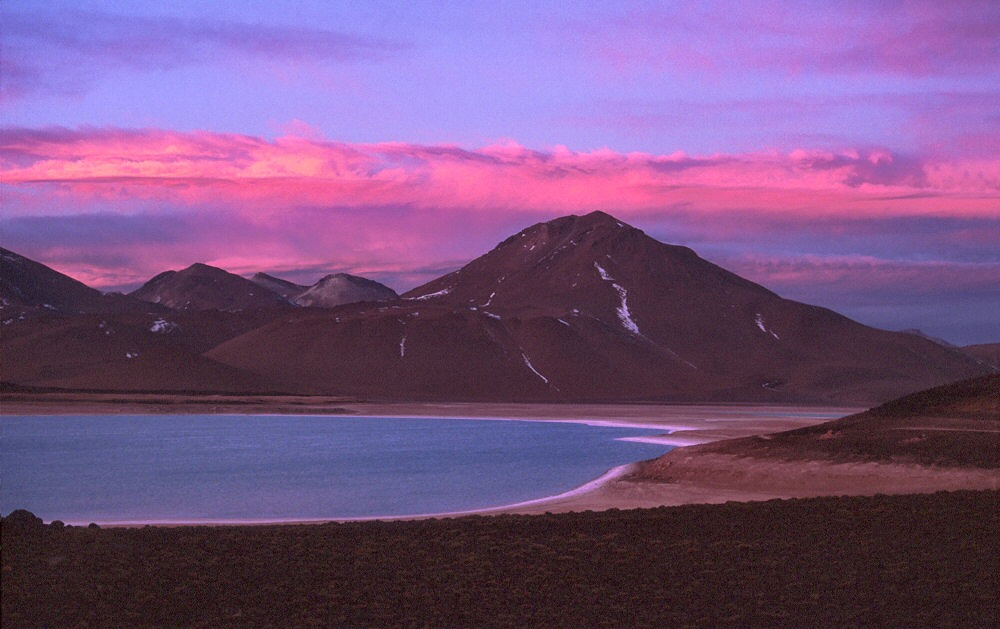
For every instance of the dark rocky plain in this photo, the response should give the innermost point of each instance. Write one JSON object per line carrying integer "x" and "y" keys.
{"x": 890, "y": 561}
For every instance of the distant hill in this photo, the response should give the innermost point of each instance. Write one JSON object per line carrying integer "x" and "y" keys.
{"x": 333, "y": 290}
{"x": 29, "y": 288}
{"x": 922, "y": 334}
{"x": 589, "y": 308}
{"x": 130, "y": 352}
{"x": 988, "y": 353}
{"x": 954, "y": 425}
{"x": 342, "y": 288}
{"x": 204, "y": 287}
{"x": 288, "y": 290}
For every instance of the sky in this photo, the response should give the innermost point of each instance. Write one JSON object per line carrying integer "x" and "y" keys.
{"x": 845, "y": 154}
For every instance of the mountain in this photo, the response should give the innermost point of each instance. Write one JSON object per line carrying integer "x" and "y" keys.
{"x": 331, "y": 291}
{"x": 30, "y": 288}
{"x": 988, "y": 353}
{"x": 204, "y": 287}
{"x": 589, "y": 308}
{"x": 341, "y": 288}
{"x": 922, "y": 334}
{"x": 288, "y": 290}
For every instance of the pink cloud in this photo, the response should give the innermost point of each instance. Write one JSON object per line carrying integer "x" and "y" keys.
{"x": 265, "y": 177}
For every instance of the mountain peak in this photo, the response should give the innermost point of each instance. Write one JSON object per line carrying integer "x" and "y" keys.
{"x": 597, "y": 217}
{"x": 204, "y": 269}
{"x": 205, "y": 287}
{"x": 337, "y": 289}
{"x": 331, "y": 277}
{"x": 571, "y": 263}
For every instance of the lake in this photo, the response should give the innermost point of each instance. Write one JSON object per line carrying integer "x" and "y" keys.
{"x": 244, "y": 468}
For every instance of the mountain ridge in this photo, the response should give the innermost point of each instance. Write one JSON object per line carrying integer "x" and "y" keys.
{"x": 580, "y": 308}
{"x": 204, "y": 287}
{"x": 337, "y": 289}
{"x": 589, "y": 308}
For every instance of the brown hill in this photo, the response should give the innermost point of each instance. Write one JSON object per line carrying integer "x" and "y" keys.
{"x": 29, "y": 288}
{"x": 204, "y": 287}
{"x": 129, "y": 352}
{"x": 588, "y": 308}
{"x": 988, "y": 353}
{"x": 288, "y": 290}
{"x": 936, "y": 339}
{"x": 955, "y": 425}
{"x": 342, "y": 288}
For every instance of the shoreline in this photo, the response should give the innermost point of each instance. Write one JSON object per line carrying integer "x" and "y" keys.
{"x": 701, "y": 423}
{"x": 683, "y": 425}
{"x": 609, "y": 476}
{"x": 696, "y": 477}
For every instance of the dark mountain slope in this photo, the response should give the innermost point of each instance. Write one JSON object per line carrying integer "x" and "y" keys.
{"x": 129, "y": 352}
{"x": 988, "y": 353}
{"x": 288, "y": 290}
{"x": 29, "y": 288}
{"x": 204, "y": 287}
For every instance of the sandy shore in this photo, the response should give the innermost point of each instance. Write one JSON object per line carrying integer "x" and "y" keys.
{"x": 715, "y": 479}
{"x": 687, "y": 424}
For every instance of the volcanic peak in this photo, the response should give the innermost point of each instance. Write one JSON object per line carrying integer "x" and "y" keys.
{"x": 204, "y": 287}
{"x": 342, "y": 288}
{"x": 288, "y": 290}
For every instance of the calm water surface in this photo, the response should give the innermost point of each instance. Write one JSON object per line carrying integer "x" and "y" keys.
{"x": 102, "y": 469}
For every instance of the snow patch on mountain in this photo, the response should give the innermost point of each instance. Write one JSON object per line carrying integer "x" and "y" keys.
{"x": 623, "y": 312}
{"x": 759, "y": 320}
{"x": 162, "y": 326}
{"x": 532, "y": 368}
{"x": 439, "y": 293}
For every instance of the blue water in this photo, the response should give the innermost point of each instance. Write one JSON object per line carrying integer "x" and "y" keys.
{"x": 82, "y": 469}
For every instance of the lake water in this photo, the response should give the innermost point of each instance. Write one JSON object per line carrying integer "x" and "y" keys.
{"x": 161, "y": 468}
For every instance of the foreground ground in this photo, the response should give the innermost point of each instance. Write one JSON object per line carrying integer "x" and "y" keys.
{"x": 918, "y": 560}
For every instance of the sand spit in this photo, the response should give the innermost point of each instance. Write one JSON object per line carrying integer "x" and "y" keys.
{"x": 715, "y": 478}
{"x": 687, "y": 424}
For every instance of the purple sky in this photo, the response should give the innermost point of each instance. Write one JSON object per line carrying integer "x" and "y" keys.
{"x": 840, "y": 153}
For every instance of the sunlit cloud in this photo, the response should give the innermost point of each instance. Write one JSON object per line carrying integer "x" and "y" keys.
{"x": 198, "y": 168}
